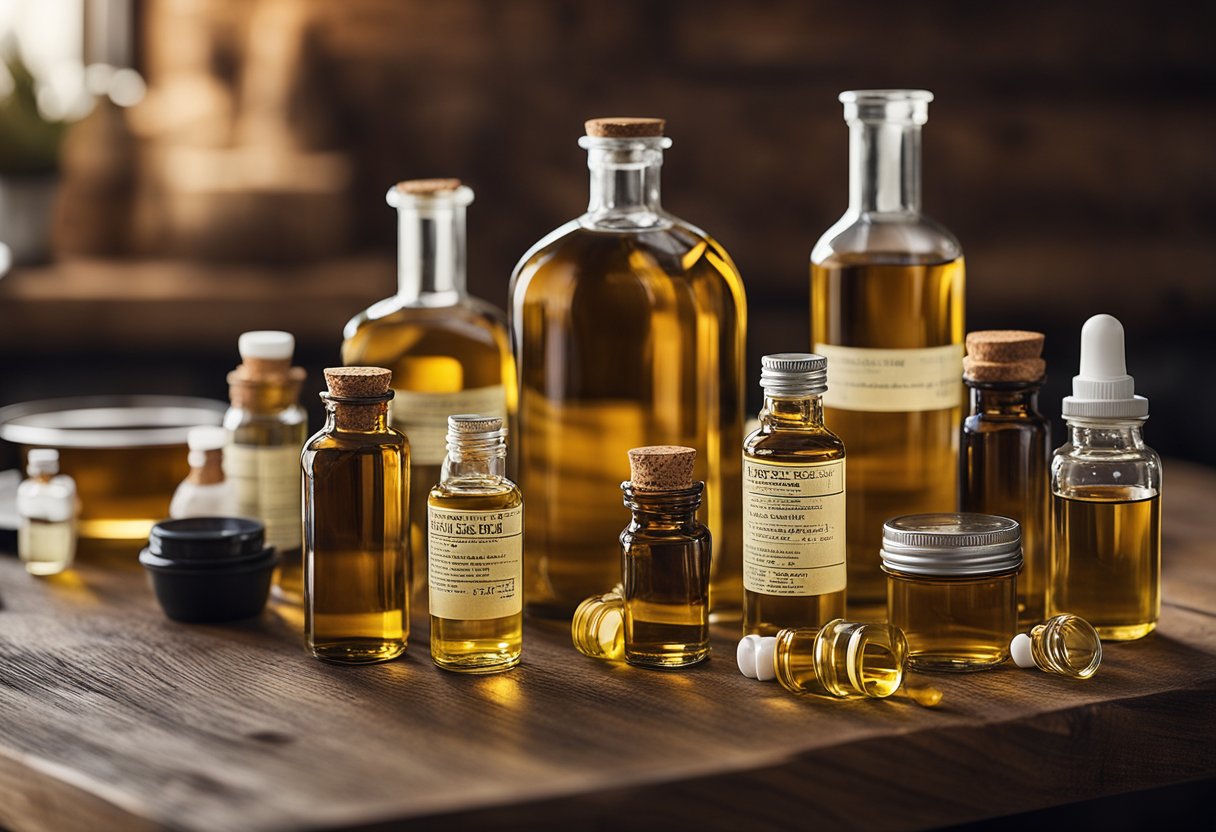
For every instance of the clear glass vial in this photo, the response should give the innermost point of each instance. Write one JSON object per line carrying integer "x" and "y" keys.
{"x": 449, "y": 352}
{"x": 629, "y": 327}
{"x": 598, "y": 626}
{"x": 952, "y": 587}
{"x": 46, "y": 511}
{"x": 1106, "y": 497}
{"x": 205, "y": 492}
{"x": 665, "y": 560}
{"x": 1066, "y": 645}
{"x": 887, "y": 313}
{"x": 475, "y": 563}
{"x": 356, "y": 524}
{"x": 794, "y": 570}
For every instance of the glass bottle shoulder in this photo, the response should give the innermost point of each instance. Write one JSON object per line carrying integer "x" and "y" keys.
{"x": 1106, "y": 470}
{"x": 338, "y": 442}
{"x": 380, "y": 334}
{"x": 262, "y": 424}
{"x": 653, "y": 534}
{"x": 796, "y": 446}
{"x": 886, "y": 238}
{"x": 478, "y": 493}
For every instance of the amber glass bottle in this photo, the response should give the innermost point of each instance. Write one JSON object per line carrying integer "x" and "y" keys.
{"x": 629, "y": 331}
{"x": 887, "y": 313}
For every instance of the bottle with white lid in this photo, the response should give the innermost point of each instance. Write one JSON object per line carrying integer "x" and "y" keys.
{"x": 1066, "y": 645}
{"x": 46, "y": 504}
{"x": 1106, "y": 497}
{"x": 204, "y": 492}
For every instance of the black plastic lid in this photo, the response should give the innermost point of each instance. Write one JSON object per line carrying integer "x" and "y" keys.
{"x": 206, "y": 538}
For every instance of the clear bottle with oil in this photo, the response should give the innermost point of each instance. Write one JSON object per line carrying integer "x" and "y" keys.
{"x": 1106, "y": 497}
{"x": 449, "y": 352}
{"x": 1005, "y": 447}
{"x": 267, "y": 428}
{"x": 46, "y": 511}
{"x": 356, "y": 524}
{"x": 887, "y": 313}
{"x": 629, "y": 328}
{"x": 665, "y": 560}
{"x": 793, "y": 503}
{"x": 598, "y": 626}
{"x": 1066, "y": 645}
{"x": 475, "y": 562}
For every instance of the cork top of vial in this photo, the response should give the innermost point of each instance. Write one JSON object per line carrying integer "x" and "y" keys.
{"x": 1004, "y": 355}
{"x": 661, "y": 468}
{"x": 625, "y": 127}
{"x": 357, "y": 382}
{"x": 427, "y": 187}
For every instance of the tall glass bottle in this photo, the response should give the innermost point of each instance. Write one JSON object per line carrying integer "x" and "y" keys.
{"x": 629, "y": 328}
{"x": 793, "y": 503}
{"x": 887, "y": 313}
{"x": 448, "y": 352}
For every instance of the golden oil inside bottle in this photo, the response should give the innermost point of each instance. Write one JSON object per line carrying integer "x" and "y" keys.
{"x": 1106, "y": 559}
{"x": 661, "y": 632}
{"x": 956, "y": 624}
{"x": 842, "y": 658}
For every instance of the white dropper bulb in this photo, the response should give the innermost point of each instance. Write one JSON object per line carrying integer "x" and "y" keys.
{"x": 754, "y": 656}
{"x": 1103, "y": 389}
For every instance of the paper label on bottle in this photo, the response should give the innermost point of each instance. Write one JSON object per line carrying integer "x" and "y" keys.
{"x": 793, "y": 528}
{"x": 893, "y": 381}
{"x": 267, "y": 485}
{"x": 423, "y": 417}
{"x": 475, "y": 562}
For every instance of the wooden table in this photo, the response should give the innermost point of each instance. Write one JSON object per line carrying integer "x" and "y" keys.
{"x": 112, "y": 716}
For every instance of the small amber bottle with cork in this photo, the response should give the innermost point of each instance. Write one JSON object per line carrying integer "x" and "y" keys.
{"x": 665, "y": 563}
{"x": 1005, "y": 446}
{"x": 356, "y": 523}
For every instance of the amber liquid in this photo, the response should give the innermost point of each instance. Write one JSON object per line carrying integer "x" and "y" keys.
{"x": 485, "y": 645}
{"x": 666, "y": 599}
{"x": 356, "y": 561}
{"x": 1107, "y": 559}
{"x": 433, "y": 350}
{"x": 955, "y": 625}
{"x": 843, "y": 659}
{"x": 901, "y": 462}
{"x": 624, "y": 340}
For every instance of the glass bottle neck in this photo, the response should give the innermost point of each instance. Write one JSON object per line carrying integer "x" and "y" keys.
{"x": 1004, "y": 399}
{"x": 431, "y": 253}
{"x": 475, "y": 459}
{"x": 789, "y": 413}
{"x": 624, "y": 191}
{"x": 884, "y": 167}
{"x": 1106, "y": 435}
{"x": 663, "y": 510}
{"x": 353, "y": 417}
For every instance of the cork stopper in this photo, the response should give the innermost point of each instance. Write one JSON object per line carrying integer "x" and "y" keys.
{"x": 357, "y": 382}
{"x": 661, "y": 468}
{"x": 265, "y": 360}
{"x": 427, "y": 187}
{"x": 1004, "y": 355}
{"x": 624, "y": 127}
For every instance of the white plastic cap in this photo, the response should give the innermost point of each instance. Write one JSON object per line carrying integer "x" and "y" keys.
{"x": 268, "y": 344}
{"x": 754, "y": 656}
{"x": 766, "y": 649}
{"x": 1019, "y": 650}
{"x": 745, "y": 655}
{"x": 1103, "y": 389}
{"x": 207, "y": 438}
{"x": 42, "y": 461}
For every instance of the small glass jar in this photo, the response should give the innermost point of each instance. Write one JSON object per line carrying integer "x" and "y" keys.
{"x": 952, "y": 587}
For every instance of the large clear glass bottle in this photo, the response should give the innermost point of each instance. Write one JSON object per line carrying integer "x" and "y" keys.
{"x": 887, "y": 313}
{"x": 356, "y": 522}
{"x": 449, "y": 352}
{"x": 1106, "y": 497}
{"x": 629, "y": 328}
{"x": 475, "y": 562}
{"x": 793, "y": 503}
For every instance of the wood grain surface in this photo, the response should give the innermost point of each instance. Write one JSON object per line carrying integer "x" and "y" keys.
{"x": 112, "y": 716}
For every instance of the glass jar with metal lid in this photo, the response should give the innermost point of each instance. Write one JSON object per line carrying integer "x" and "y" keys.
{"x": 952, "y": 587}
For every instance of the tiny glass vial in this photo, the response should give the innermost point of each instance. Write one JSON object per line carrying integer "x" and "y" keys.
{"x": 1106, "y": 497}
{"x": 205, "y": 492}
{"x": 1066, "y": 645}
{"x": 952, "y": 587}
{"x": 1005, "y": 447}
{"x": 46, "y": 508}
{"x": 598, "y": 626}
{"x": 266, "y": 430}
{"x": 793, "y": 503}
{"x": 475, "y": 563}
{"x": 842, "y": 658}
{"x": 665, "y": 564}
{"x": 356, "y": 524}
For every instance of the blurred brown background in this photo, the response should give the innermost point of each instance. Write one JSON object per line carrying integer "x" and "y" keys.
{"x": 1069, "y": 148}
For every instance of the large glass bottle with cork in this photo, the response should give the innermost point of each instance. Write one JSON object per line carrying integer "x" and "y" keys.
{"x": 887, "y": 313}
{"x": 448, "y": 352}
{"x": 629, "y": 327}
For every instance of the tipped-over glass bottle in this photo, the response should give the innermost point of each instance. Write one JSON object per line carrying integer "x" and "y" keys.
{"x": 356, "y": 521}
{"x": 793, "y": 503}
{"x": 887, "y": 313}
{"x": 448, "y": 352}
{"x": 1064, "y": 644}
{"x": 205, "y": 492}
{"x": 665, "y": 560}
{"x": 1106, "y": 497}
{"x": 841, "y": 658}
{"x": 475, "y": 562}
{"x": 267, "y": 428}
{"x": 598, "y": 626}
{"x": 46, "y": 510}
{"x": 1005, "y": 448}
{"x": 628, "y": 326}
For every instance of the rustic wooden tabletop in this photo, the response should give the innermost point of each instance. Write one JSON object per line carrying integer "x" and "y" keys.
{"x": 111, "y": 716}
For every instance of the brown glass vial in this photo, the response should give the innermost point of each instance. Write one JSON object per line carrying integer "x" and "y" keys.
{"x": 356, "y": 523}
{"x": 1005, "y": 450}
{"x": 665, "y": 564}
